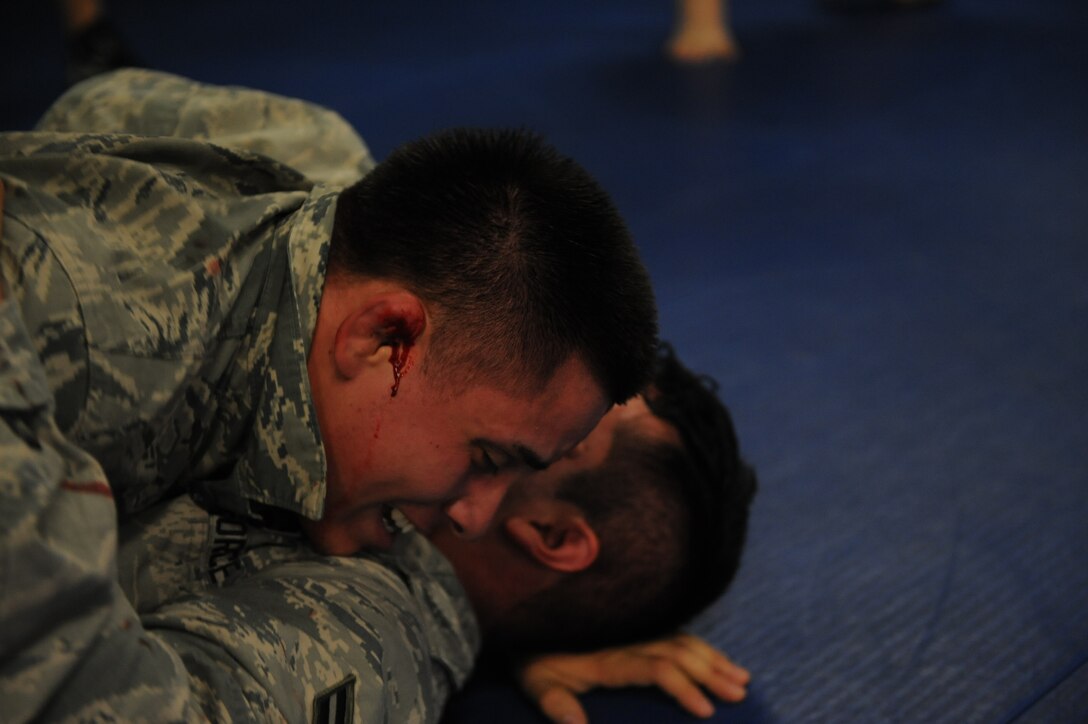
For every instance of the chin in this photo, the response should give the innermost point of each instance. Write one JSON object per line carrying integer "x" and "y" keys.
{"x": 346, "y": 538}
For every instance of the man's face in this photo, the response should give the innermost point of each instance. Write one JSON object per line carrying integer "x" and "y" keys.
{"x": 476, "y": 562}
{"x": 634, "y": 416}
{"x": 458, "y": 453}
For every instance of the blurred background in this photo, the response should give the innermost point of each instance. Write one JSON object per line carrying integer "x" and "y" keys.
{"x": 871, "y": 228}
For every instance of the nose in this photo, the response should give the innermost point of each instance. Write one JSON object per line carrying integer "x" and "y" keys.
{"x": 577, "y": 451}
{"x": 472, "y": 513}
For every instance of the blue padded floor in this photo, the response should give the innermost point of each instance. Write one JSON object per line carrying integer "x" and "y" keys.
{"x": 872, "y": 231}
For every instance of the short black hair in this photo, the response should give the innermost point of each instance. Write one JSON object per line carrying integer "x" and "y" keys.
{"x": 522, "y": 254}
{"x": 672, "y": 522}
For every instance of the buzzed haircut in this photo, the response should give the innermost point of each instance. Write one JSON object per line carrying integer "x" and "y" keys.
{"x": 672, "y": 523}
{"x": 522, "y": 254}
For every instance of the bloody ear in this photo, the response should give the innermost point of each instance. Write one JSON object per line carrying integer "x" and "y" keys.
{"x": 389, "y": 319}
{"x": 565, "y": 543}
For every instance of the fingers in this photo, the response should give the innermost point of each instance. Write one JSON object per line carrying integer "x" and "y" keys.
{"x": 553, "y": 682}
{"x": 561, "y": 706}
{"x": 682, "y": 688}
{"x": 575, "y": 673}
{"x": 681, "y": 665}
{"x": 710, "y": 667}
{"x": 698, "y": 659}
{"x": 713, "y": 658}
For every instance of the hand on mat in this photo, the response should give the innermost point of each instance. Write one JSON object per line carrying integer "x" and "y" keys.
{"x": 681, "y": 665}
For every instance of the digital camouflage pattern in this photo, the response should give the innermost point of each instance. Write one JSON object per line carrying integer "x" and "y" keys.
{"x": 397, "y": 625}
{"x": 310, "y": 139}
{"x": 172, "y": 285}
{"x": 64, "y": 618}
{"x": 160, "y": 294}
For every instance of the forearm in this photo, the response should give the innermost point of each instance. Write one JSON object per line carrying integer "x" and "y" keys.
{"x": 71, "y": 644}
{"x": 393, "y": 634}
{"x": 286, "y": 640}
{"x": 69, "y": 639}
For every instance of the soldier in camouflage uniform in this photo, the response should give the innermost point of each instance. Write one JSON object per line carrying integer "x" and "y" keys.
{"x": 160, "y": 295}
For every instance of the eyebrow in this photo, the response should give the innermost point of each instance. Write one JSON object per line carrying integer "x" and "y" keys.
{"x": 530, "y": 458}
{"x": 517, "y": 451}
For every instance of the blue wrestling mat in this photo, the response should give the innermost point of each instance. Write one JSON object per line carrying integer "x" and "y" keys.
{"x": 872, "y": 230}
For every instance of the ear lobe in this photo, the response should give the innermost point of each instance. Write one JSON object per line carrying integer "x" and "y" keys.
{"x": 391, "y": 319}
{"x": 567, "y": 544}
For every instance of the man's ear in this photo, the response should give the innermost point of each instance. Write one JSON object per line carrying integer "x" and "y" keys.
{"x": 394, "y": 319}
{"x": 562, "y": 541}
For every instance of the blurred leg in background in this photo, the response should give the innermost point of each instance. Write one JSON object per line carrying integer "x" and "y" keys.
{"x": 702, "y": 32}
{"x": 92, "y": 44}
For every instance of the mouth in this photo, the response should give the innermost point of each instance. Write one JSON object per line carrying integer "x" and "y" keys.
{"x": 393, "y": 520}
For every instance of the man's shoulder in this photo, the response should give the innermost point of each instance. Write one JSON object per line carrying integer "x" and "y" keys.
{"x": 308, "y": 137}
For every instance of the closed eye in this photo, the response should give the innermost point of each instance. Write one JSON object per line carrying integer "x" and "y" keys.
{"x": 492, "y": 457}
{"x": 484, "y": 463}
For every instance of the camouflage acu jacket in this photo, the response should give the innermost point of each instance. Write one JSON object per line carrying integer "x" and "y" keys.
{"x": 169, "y": 274}
{"x": 382, "y": 638}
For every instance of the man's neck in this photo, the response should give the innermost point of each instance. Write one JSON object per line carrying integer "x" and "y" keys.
{"x": 496, "y": 575}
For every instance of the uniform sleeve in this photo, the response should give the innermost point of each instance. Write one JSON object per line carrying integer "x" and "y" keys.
{"x": 331, "y": 640}
{"x": 284, "y": 630}
{"x": 68, "y": 632}
{"x": 311, "y": 139}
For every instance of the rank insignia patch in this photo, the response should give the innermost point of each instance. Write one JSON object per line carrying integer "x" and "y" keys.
{"x": 335, "y": 705}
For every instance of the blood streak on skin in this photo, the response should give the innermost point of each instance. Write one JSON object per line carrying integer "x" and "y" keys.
{"x": 400, "y": 338}
{"x": 400, "y": 361}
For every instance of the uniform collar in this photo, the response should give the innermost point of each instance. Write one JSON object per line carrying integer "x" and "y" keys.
{"x": 284, "y": 464}
{"x": 308, "y": 250}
